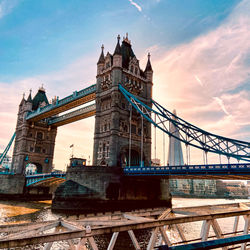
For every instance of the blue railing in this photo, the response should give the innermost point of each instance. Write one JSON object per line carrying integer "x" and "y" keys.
{"x": 76, "y": 95}
{"x": 212, "y": 169}
{"x": 32, "y": 179}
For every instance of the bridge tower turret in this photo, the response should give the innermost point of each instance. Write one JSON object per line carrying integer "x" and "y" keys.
{"x": 35, "y": 141}
{"x": 113, "y": 142}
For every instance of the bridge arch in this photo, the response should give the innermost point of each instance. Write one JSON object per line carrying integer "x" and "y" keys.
{"x": 135, "y": 156}
{"x": 33, "y": 168}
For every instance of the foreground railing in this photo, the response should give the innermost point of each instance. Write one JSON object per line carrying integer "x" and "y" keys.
{"x": 86, "y": 231}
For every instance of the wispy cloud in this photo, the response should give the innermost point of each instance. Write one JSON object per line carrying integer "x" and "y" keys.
{"x": 213, "y": 59}
{"x": 198, "y": 80}
{"x": 6, "y": 6}
{"x": 220, "y": 102}
{"x": 138, "y": 7}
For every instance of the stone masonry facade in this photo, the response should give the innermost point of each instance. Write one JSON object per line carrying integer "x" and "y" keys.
{"x": 112, "y": 121}
{"x": 35, "y": 141}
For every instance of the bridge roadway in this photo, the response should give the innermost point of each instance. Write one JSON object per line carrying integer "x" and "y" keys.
{"x": 212, "y": 171}
{"x": 74, "y": 233}
{"x": 76, "y": 99}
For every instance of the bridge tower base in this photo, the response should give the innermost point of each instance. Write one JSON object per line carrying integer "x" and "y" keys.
{"x": 102, "y": 189}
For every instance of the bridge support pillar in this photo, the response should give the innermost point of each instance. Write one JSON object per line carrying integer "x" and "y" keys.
{"x": 100, "y": 189}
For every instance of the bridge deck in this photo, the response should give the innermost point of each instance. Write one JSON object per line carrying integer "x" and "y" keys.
{"x": 212, "y": 171}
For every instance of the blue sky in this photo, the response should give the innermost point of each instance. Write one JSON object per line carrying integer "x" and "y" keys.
{"x": 44, "y": 36}
{"x": 200, "y": 55}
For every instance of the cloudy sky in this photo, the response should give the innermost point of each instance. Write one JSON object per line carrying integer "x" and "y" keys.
{"x": 200, "y": 56}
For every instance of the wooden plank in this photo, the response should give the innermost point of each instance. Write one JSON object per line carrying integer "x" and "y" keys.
{"x": 205, "y": 229}
{"x": 217, "y": 231}
{"x": 92, "y": 243}
{"x": 165, "y": 236}
{"x": 134, "y": 240}
{"x": 81, "y": 244}
{"x": 153, "y": 238}
{"x": 136, "y": 218}
{"x": 112, "y": 241}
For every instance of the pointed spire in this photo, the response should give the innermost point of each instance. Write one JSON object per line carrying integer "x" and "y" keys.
{"x": 29, "y": 97}
{"x": 23, "y": 100}
{"x": 101, "y": 58}
{"x": 118, "y": 50}
{"x": 125, "y": 39}
{"x": 148, "y": 66}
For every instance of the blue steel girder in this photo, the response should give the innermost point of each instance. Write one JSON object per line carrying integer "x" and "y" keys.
{"x": 189, "y": 134}
{"x": 218, "y": 171}
{"x": 3, "y": 155}
{"x": 39, "y": 178}
{"x": 62, "y": 104}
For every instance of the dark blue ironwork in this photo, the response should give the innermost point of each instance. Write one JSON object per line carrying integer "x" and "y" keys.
{"x": 6, "y": 150}
{"x": 32, "y": 179}
{"x": 210, "y": 244}
{"x": 212, "y": 169}
{"x": 76, "y": 95}
{"x": 189, "y": 134}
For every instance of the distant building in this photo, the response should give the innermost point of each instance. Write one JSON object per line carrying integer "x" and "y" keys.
{"x": 187, "y": 186}
{"x": 6, "y": 164}
{"x": 155, "y": 162}
{"x": 30, "y": 169}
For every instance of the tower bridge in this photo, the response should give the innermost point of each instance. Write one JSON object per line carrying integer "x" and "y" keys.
{"x": 124, "y": 115}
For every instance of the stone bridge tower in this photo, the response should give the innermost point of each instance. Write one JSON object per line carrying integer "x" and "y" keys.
{"x": 112, "y": 145}
{"x": 34, "y": 141}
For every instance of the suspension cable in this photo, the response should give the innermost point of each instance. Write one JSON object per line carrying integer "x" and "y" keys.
{"x": 155, "y": 136}
{"x": 130, "y": 138}
{"x": 142, "y": 141}
{"x": 164, "y": 149}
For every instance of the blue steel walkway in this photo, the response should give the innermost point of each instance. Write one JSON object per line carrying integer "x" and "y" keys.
{"x": 213, "y": 171}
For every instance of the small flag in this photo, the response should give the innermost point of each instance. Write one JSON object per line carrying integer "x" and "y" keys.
{"x": 72, "y": 145}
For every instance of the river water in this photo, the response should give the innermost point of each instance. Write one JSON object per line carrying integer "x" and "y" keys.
{"x": 34, "y": 211}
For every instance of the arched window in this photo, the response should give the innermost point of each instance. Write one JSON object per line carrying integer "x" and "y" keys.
{"x": 39, "y": 135}
{"x": 136, "y": 71}
{"x": 132, "y": 68}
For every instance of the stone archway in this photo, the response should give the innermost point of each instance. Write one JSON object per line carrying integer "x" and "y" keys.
{"x": 135, "y": 157}
{"x": 33, "y": 168}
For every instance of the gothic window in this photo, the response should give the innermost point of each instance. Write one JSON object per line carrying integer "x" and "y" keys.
{"x": 105, "y": 127}
{"x": 132, "y": 68}
{"x": 39, "y": 135}
{"x": 30, "y": 134}
{"x": 31, "y": 149}
{"x": 107, "y": 151}
{"x": 126, "y": 79}
{"x": 37, "y": 149}
{"x": 136, "y": 71}
{"x": 123, "y": 105}
{"x": 133, "y": 129}
{"x": 107, "y": 65}
{"x": 125, "y": 128}
{"x": 109, "y": 126}
{"x": 44, "y": 150}
{"x": 139, "y": 131}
